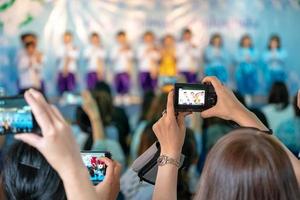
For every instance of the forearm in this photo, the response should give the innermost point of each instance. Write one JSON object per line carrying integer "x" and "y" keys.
{"x": 77, "y": 184}
{"x": 97, "y": 129}
{"x": 166, "y": 183}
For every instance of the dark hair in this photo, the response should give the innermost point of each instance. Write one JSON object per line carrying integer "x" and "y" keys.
{"x": 248, "y": 164}
{"x": 29, "y": 44}
{"x": 27, "y": 175}
{"x": 215, "y": 36}
{"x": 243, "y": 38}
{"x": 157, "y": 107}
{"x": 94, "y": 34}
{"x": 279, "y": 94}
{"x": 277, "y": 39}
{"x": 102, "y": 86}
{"x": 147, "y": 101}
{"x": 105, "y": 105}
{"x": 296, "y": 109}
{"x": 26, "y": 35}
{"x": 148, "y": 33}
{"x": 186, "y": 31}
{"x": 68, "y": 33}
{"x": 121, "y": 33}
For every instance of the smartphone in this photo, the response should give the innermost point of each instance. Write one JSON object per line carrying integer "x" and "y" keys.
{"x": 16, "y": 116}
{"x": 96, "y": 168}
{"x": 194, "y": 97}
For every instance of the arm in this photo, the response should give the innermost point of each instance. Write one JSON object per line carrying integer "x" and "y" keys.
{"x": 229, "y": 108}
{"x": 92, "y": 110}
{"x": 170, "y": 132}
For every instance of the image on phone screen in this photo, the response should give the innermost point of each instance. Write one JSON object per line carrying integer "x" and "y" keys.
{"x": 16, "y": 116}
{"x": 191, "y": 97}
{"x": 96, "y": 167}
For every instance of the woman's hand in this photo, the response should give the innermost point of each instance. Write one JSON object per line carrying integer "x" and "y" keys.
{"x": 170, "y": 131}
{"x": 110, "y": 187}
{"x": 57, "y": 143}
{"x": 89, "y": 105}
{"x": 228, "y": 107}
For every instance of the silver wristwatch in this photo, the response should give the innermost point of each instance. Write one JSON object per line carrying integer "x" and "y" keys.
{"x": 164, "y": 159}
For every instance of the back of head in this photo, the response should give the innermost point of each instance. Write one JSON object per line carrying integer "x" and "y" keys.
{"x": 248, "y": 164}
{"x": 279, "y": 94}
{"x": 27, "y": 175}
{"x": 105, "y": 105}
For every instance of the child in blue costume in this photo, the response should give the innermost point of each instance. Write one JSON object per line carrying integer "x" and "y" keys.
{"x": 274, "y": 59}
{"x": 215, "y": 58}
{"x": 247, "y": 69}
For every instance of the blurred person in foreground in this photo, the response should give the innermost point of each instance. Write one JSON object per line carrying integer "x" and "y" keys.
{"x": 58, "y": 148}
{"x": 248, "y": 163}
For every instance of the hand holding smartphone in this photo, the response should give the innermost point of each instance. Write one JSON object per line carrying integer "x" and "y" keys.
{"x": 16, "y": 116}
{"x": 96, "y": 168}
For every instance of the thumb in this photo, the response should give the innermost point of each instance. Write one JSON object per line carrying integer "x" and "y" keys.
{"x": 29, "y": 138}
{"x": 208, "y": 113}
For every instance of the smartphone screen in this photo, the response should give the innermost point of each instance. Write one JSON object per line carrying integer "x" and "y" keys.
{"x": 16, "y": 116}
{"x": 191, "y": 97}
{"x": 96, "y": 167}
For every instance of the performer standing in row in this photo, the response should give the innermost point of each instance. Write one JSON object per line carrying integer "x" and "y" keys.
{"x": 68, "y": 56}
{"x": 94, "y": 56}
{"x": 246, "y": 72}
{"x": 30, "y": 64}
{"x": 187, "y": 55}
{"x": 148, "y": 56}
{"x": 274, "y": 59}
{"x": 215, "y": 58}
{"x": 121, "y": 57}
{"x": 167, "y": 62}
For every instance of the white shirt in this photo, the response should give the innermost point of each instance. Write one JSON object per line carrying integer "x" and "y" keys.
{"x": 93, "y": 54}
{"x": 147, "y": 57}
{"x": 186, "y": 54}
{"x": 29, "y": 71}
{"x": 121, "y": 59}
{"x": 71, "y": 52}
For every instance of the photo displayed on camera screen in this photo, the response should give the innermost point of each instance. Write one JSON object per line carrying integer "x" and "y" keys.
{"x": 15, "y": 116}
{"x": 95, "y": 167}
{"x": 191, "y": 97}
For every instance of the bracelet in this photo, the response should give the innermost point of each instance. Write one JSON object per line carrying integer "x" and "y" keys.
{"x": 164, "y": 160}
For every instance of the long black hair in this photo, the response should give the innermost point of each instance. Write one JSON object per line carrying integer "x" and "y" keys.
{"x": 27, "y": 175}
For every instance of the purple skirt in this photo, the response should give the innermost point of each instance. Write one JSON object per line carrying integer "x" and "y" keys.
{"x": 147, "y": 82}
{"x": 190, "y": 77}
{"x": 91, "y": 79}
{"x": 67, "y": 83}
{"x": 122, "y": 83}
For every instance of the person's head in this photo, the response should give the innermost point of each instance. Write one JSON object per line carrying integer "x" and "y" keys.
{"x": 149, "y": 37}
{"x": 28, "y": 37}
{"x": 121, "y": 37}
{"x": 187, "y": 35}
{"x": 279, "y": 94}
{"x": 30, "y": 47}
{"x": 274, "y": 42}
{"x": 158, "y": 105}
{"x": 105, "y": 104}
{"x": 296, "y": 108}
{"x": 147, "y": 101}
{"x": 168, "y": 40}
{"x": 246, "y": 41}
{"x": 216, "y": 40}
{"x": 68, "y": 37}
{"x": 95, "y": 39}
{"x": 248, "y": 164}
{"x": 26, "y": 173}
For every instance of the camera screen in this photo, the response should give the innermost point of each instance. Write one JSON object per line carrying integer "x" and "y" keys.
{"x": 95, "y": 167}
{"x": 191, "y": 97}
{"x": 15, "y": 116}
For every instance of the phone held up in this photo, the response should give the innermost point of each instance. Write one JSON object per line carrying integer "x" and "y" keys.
{"x": 96, "y": 167}
{"x": 194, "y": 97}
{"x": 16, "y": 116}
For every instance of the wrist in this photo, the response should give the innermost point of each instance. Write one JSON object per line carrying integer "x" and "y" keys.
{"x": 172, "y": 154}
{"x": 80, "y": 172}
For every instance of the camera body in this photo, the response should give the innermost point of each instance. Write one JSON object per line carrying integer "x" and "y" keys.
{"x": 194, "y": 97}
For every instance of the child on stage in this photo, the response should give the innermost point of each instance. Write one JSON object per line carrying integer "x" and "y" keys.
{"x": 274, "y": 59}
{"x": 215, "y": 59}
{"x": 94, "y": 56}
{"x": 148, "y": 57}
{"x": 30, "y": 64}
{"x": 121, "y": 57}
{"x": 246, "y": 72}
{"x": 67, "y": 56}
{"x": 187, "y": 54}
{"x": 167, "y": 64}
